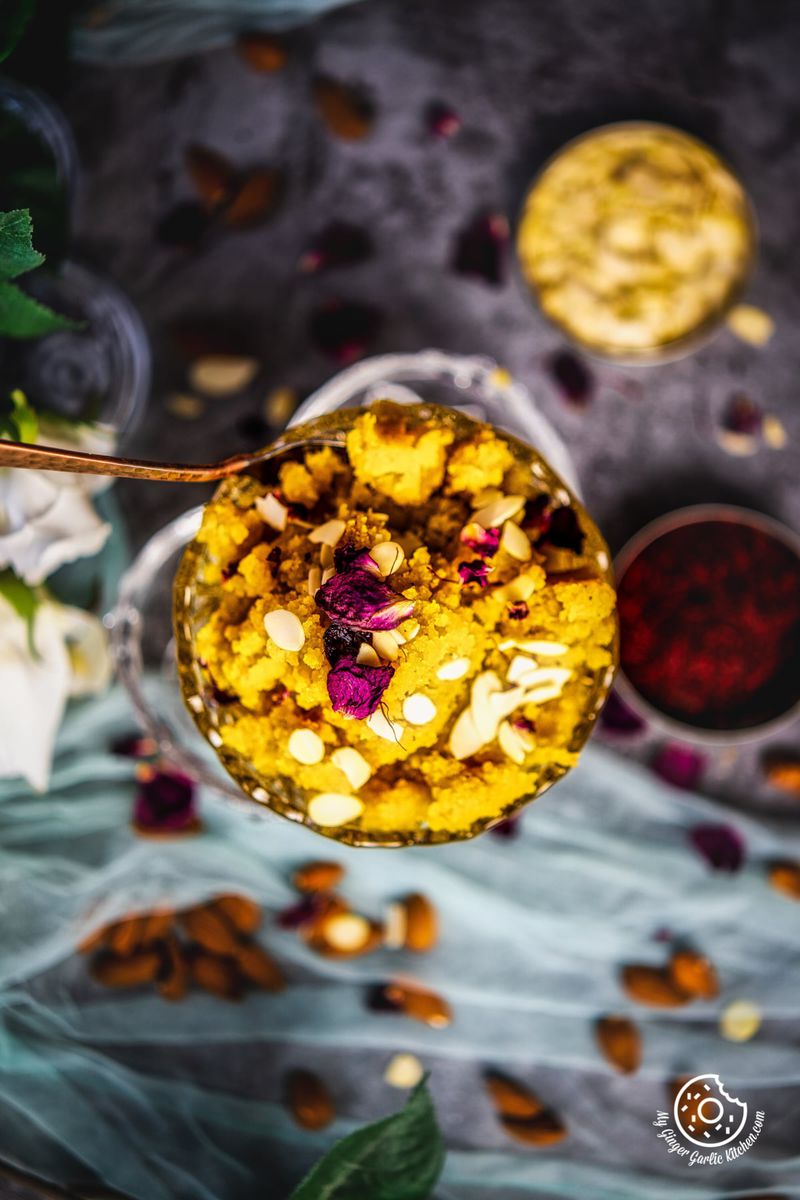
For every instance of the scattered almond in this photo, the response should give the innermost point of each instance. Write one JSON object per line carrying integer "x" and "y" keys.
{"x": 181, "y": 404}
{"x": 620, "y": 1042}
{"x": 328, "y": 534}
{"x": 456, "y": 668}
{"x": 380, "y": 725}
{"x": 242, "y": 912}
{"x": 545, "y": 1130}
{"x": 125, "y": 936}
{"x": 515, "y": 542}
{"x": 272, "y": 511}
{"x": 353, "y": 765}
{"x": 367, "y": 656}
{"x": 520, "y": 668}
{"x": 465, "y": 738}
{"x": 255, "y": 198}
{"x": 651, "y": 985}
{"x": 421, "y": 923}
{"x": 308, "y": 1100}
{"x": 394, "y": 931}
{"x": 279, "y": 405}
{"x": 497, "y": 512}
{"x": 285, "y": 630}
{"x": 210, "y": 929}
{"x": 137, "y": 968}
{"x": 403, "y": 1071}
{"x": 321, "y": 876}
{"x": 785, "y": 878}
{"x": 388, "y": 557}
{"x": 346, "y": 935}
{"x": 259, "y": 968}
{"x": 155, "y": 926}
{"x": 314, "y": 581}
{"x": 216, "y": 975}
{"x": 346, "y": 111}
{"x": 751, "y": 324}
{"x": 419, "y": 709}
{"x": 784, "y": 775}
{"x": 223, "y": 374}
{"x": 306, "y": 747}
{"x": 510, "y": 1098}
{"x": 740, "y": 1021}
{"x": 384, "y": 643}
{"x": 262, "y": 51}
{"x": 420, "y": 1005}
{"x": 330, "y": 809}
{"x": 213, "y": 176}
{"x": 325, "y": 558}
{"x": 694, "y": 975}
{"x": 515, "y": 743}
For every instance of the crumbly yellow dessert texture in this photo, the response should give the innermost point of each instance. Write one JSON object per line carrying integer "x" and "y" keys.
{"x": 634, "y": 237}
{"x": 503, "y": 643}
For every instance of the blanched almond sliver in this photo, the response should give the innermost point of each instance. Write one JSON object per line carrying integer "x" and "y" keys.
{"x": 547, "y": 677}
{"x": 325, "y": 555}
{"x": 410, "y": 631}
{"x": 334, "y": 808}
{"x": 284, "y": 629}
{"x": 521, "y": 588}
{"x": 353, "y": 765}
{"x": 498, "y": 511}
{"x": 392, "y": 731}
{"x": 270, "y": 509}
{"x": 542, "y": 648}
{"x": 483, "y": 717}
{"x": 385, "y": 644}
{"x": 456, "y": 668}
{"x": 388, "y": 557}
{"x": 540, "y": 695}
{"x": 314, "y": 581}
{"x": 504, "y": 703}
{"x": 512, "y": 743}
{"x": 464, "y": 736}
{"x": 519, "y": 667}
{"x": 327, "y": 574}
{"x": 329, "y": 533}
{"x": 307, "y": 747}
{"x": 515, "y": 542}
{"x": 367, "y": 656}
{"x": 419, "y": 709}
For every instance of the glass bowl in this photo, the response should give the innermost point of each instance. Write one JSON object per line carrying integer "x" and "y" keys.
{"x": 708, "y": 175}
{"x": 140, "y": 624}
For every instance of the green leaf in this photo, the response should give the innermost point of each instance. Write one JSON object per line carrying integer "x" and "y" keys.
{"x": 23, "y": 600}
{"x": 14, "y": 16}
{"x": 17, "y": 254}
{"x": 23, "y": 317}
{"x": 399, "y": 1158}
{"x": 23, "y": 419}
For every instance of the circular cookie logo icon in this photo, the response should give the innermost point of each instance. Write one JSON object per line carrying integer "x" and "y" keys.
{"x": 706, "y": 1115}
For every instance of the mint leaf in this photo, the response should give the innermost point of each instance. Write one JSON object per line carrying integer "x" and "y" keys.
{"x": 14, "y": 16}
{"x": 23, "y": 317}
{"x": 23, "y": 420}
{"x": 17, "y": 254}
{"x": 23, "y": 600}
{"x": 399, "y": 1158}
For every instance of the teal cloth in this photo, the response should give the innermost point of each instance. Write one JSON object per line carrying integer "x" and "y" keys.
{"x": 147, "y": 30}
{"x": 169, "y": 1101}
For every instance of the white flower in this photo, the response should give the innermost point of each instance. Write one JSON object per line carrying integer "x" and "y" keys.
{"x": 69, "y": 657}
{"x": 47, "y": 517}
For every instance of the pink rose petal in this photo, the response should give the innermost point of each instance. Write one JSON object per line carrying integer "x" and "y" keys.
{"x": 721, "y": 846}
{"x": 679, "y": 765}
{"x": 356, "y": 689}
{"x": 476, "y": 571}
{"x": 165, "y": 803}
{"x": 617, "y": 717}
{"x": 485, "y": 544}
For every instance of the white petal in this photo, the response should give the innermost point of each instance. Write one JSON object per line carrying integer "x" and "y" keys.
{"x": 45, "y": 524}
{"x": 87, "y": 648}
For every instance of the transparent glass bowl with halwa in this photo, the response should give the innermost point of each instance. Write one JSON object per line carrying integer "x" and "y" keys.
{"x": 401, "y": 631}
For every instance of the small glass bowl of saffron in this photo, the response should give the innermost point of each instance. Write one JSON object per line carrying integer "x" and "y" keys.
{"x": 709, "y": 613}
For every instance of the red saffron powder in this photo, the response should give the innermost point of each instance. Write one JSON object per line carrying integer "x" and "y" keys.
{"x": 710, "y": 625}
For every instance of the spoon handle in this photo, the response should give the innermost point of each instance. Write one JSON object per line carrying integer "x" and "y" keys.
{"x": 48, "y": 458}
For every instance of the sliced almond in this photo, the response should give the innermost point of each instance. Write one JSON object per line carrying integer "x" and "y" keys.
{"x": 222, "y": 374}
{"x": 385, "y": 644}
{"x": 392, "y": 731}
{"x": 318, "y": 876}
{"x": 498, "y": 511}
{"x": 328, "y": 534}
{"x": 542, "y": 648}
{"x": 784, "y": 876}
{"x": 520, "y": 667}
{"x": 550, "y": 677}
{"x": 284, "y": 629}
{"x": 515, "y": 542}
{"x": 388, "y": 557}
{"x": 410, "y": 630}
{"x": 307, "y": 747}
{"x": 314, "y": 581}
{"x": 455, "y": 668}
{"x": 327, "y": 574}
{"x": 503, "y": 704}
{"x": 271, "y": 511}
{"x": 483, "y": 715}
{"x": 325, "y": 555}
{"x": 514, "y": 744}
{"x": 330, "y": 809}
{"x": 521, "y": 588}
{"x": 419, "y": 709}
{"x": 367, "y": 656}
{"x": 465, "y": 739}
{"x": 353, "y": 765}
{"x": 347, "y": 932}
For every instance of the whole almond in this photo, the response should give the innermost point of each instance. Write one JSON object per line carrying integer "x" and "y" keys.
{"x": 216, "y": 975}
{"x": 319, "y": 876}
{"x": 155, "y": 926}
{"x": 210, "y": 929}
{"x": 420, "y": 1004}
{"x": 651, "y": 985}
{"x": 346, "y": 112}
{"x": 174, "y": 976}
{"x": 125, "y": 936}
{"x": 422, "y": 926}
{"x": 259, "y": 968}
{"x": 544, "y": 1130}
{"x": 784, "y": 775}
{"x": 255, "y": 198}
{"x": 262, "y": 51}
{"x": 137, "y": 968}
{"x": 785, "y": 877}
{"x": 94, "y": 940}
{"x": 510, "y": 1098}
{"x": 620, "y": 1042}
{"x": 242, "y": 912}
{"x": 693, "y": 974}
{"x": 308, "y": 1100}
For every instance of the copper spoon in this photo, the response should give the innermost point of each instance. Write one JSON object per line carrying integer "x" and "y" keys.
{"x": 48, "y": 458}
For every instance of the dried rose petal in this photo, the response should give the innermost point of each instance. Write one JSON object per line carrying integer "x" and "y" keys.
{"x": 524, "y": 724}
{"x": 564, "y": 530}
{"x": 743, "y": 416}
{"x": 340, "y": 641}
{"x": 474, "y": 572}
{"x": 484, "y": 543}
{"x": 134, "y": 745}
{"x": 442, "y": 121}
{"x": 482, "y": 248}
{"x": 518, "y": 610}
{"x": 508, "y": 829}
{"x": 679, "y": 765}
{"x": 362, "y": 601}
{"x": 165, "y": 803}
{"x": 721, "y": 846}
{"x": 536, "y": 515}
{"x": 381, "y": 998}
{"x": 572, "y": 376}
{"x": 356, "y": 689}
{"x": 338, "y": 245}
{"x": 302, "y": 913}
{"x": 344, "y": 329}
{"x": 617, "y": 717}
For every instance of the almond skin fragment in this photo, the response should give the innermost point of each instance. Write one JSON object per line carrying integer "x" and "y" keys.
{"x": 308, "y": 1100}
{"x": 138, "y": 968}
{"x": 319, "y": 876}
{"x": 216, "y": 975}
{"x": 510, "y": 1098}
{"x": 210, "y": 929}
{"x": 242, "y": 912}
{"x": 620, "y": 1043}
{"x": 544, "y": 1130}
{"x": 259, "y": 968}
{"x": 422, "y": 926}
{"x": 694, "y": 975}
{"x": 785, "y": 877}
{"x": 651, "y": 985}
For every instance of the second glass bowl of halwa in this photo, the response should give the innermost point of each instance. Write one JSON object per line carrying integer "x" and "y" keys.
{"x": 400, "y": 629}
